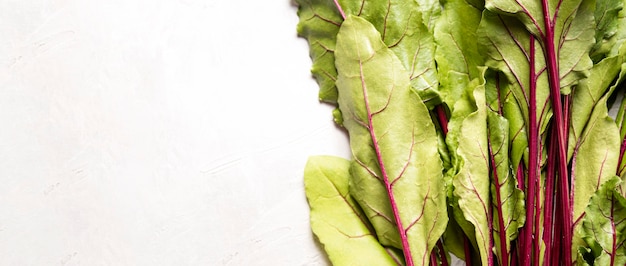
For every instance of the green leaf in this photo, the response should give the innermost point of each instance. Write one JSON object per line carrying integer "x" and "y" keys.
{"x": 396, "y": 172}
{"x": 588, "y": 94}
{"x": 594, "y": 160}
{"x": 583, "y": 254}
{"x": 573, "y": 26}
{"x": 319, "y": 24}
{"x": 606, "y": 25}
{"x": 508, "y": 50}
{"x": 404, "y": 32}
{"x": 507, "y": 199}
{"x": 336, "y": 218}
{"x": 595, "y": 156}
{"x": 402, "y": 29}
{"x": 472, "y": 184}
{"x": 604, "y": 225}
{"x": 455, "y": 36}
{"x": 618, "y": 39}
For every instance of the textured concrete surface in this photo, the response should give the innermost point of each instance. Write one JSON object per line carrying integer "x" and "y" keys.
{"x": 157, "y": 132}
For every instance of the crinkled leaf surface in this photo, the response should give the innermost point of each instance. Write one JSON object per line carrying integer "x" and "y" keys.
{"x": 335, "y": 216}
{"x": 605, "y": 225}
{"x": 319, "y": 24}
{"x": 606, "y": 26}
{"x": 472, "y": 184}
{"x": 397, "y": 172}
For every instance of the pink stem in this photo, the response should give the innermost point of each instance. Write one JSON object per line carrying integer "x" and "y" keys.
{"x": 388, "y": 184}
{"x": 442, "y": 254}
{"x": 548, "y": 223}
{"x": 468, "y": 251}
{"x": 504, "y": 256}
{"x": 622, "y": 150}
{"x": 443, "y": 119}
{"x": 343, "y": 15}
{"x": 559, "y": 120}
{"x": 533, "y": 160}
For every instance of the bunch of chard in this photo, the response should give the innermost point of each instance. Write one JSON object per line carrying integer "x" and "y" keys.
{"x": 478, "y": 129}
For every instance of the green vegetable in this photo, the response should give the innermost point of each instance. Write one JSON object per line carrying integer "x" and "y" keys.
{"x": 336, "y": 218}
{"x": 393, "y": 142}
{"x": 477, "y": 128}
{"x": 605, "y": 225}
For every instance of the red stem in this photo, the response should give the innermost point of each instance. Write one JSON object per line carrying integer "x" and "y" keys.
{"x": 504, "y": 257}
{"x": 561, "y": 130}
{"x": 343, "y": 15}
{"x": 622, "y": 150}
{"x": 468, "y": 251}
{"x": 537, "y": 222}
{"x": 500, "y": 108}
{"x": 433, "y": 259}
{"x": 520, "y": 243}
{"x": 548, "y": 223}
{"x": 557, "y": 232}
{"x": 388, "y": 184}
{"x": 514, "y": 256}
{"x": 490, "y": 250}
{"x": 442, "y": 254}
{"x": 533, "y": 159}
{"x": 443, "y": 119}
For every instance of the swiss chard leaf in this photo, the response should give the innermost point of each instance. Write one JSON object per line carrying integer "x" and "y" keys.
{"x": 336, "y": 219}
{"x": 397, "y": 171}
{"x": 605, "y": 224}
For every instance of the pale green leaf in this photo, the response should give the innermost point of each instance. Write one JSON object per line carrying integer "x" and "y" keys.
{"x": 472, "y": 184}
{"x": 393, "y": 142}
{"x": 336, "y": 218}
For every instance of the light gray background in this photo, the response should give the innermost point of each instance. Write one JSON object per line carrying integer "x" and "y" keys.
{"x": 157, "y": 132}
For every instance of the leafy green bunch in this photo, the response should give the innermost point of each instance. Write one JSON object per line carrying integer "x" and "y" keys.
{"x": 477, "y": 128}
